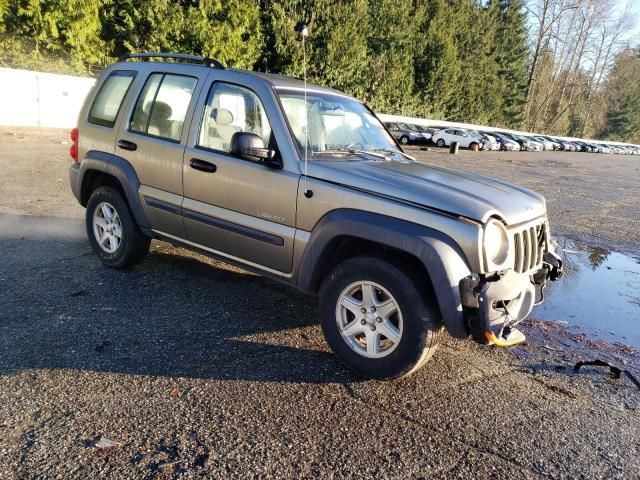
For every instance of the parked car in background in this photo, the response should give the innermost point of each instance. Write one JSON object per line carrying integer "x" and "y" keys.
{"x": 602, "y": 148}
{"x": 583, "y": 147}
{"x": 506, "y": 143}
{"x": 546, "y": 143}
{"x": 555, "y": 143}
{"x": 403, "y": 134}
{"x": 427, "y": 132}
{"x": 525, "y": 143}
{"x": 562, "y": 145}
{"x": 615, "y": 149}
{"x": 465, "y": 140}
{"x": 534, "y": 145}
{"x": 489, "y": 142}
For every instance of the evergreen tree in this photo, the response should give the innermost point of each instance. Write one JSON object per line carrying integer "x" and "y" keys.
{"x": 391, "y": 44}
{"x": 226, "y": 30}
{"x": 438, "y": 67}
{"x": 511, "y": 57}
{"x": 141, "y": 26}
{"x": 336, "y": 46}
{"x": 61, "y": 29}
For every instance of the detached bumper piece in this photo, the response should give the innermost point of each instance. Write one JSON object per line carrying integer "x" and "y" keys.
{"x": 509, "y": 337}
{"x": 494, "y": 304}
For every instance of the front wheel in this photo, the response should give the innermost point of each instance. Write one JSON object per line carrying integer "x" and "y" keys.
{"x": 376, "y": 320}
{"x": 112, "y": 230}
{"x": 404, "y": 140}
{"x": 440, "y": 142}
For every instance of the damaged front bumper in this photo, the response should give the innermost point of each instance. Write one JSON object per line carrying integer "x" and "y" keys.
{"x": 494, "y": 304}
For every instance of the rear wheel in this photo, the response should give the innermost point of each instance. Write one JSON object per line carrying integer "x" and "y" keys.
{"x": 376, "y": 320}
{"x": 113, "y": 233}
{"x": 440, "y": 142}
{"x": 404, "y": 140}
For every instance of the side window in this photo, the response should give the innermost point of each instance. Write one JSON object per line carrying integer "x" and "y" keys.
{"x": 108, "y": 101}
{"x": 162, "y": 106}
{"x": 230, "y": 109}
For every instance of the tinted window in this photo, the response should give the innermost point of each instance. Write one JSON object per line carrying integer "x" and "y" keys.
{"x": 162, "y": 106}
{"x": 230, "y": 109}
{"x": 106, "y": 105}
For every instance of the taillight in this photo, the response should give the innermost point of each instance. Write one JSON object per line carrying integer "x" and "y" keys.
{"x": 73, "y": 150}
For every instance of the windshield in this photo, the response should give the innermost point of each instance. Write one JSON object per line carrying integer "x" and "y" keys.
{"x": 335, "y": 125}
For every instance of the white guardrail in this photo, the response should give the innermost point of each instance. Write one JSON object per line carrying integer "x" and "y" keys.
{"x": 36, "y": 99}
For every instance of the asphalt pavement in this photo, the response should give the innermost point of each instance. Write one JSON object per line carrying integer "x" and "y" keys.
{"x": 184, "y": 367}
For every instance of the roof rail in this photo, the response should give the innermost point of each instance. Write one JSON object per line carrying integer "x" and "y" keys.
{"x": 209, "y": 62}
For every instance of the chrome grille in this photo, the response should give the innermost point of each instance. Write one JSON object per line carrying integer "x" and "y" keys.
{"x": 530, "y": 244}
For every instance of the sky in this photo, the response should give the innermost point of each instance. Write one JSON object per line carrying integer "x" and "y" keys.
{"x": 634, "y": 36}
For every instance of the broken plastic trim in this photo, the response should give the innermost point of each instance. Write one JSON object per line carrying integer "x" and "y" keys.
{"x": 614, "y": 372}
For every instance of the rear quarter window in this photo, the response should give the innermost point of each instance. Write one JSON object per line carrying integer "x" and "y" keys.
{"x": 106, "y": 105}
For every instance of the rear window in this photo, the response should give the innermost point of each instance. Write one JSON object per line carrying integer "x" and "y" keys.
{"x": 162, "y": 106}
{"x": 108, "y": 101}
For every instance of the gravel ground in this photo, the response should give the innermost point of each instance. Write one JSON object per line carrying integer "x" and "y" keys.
{"x": 195, "y": 368}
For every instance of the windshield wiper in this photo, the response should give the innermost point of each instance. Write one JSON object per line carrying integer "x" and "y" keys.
{"x": 350, "y": 151}
{"x": 395, "y": 151}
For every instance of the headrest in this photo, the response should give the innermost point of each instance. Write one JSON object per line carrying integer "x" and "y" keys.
{"x": 222, "y": 116}
{"x": 161, "y": 110}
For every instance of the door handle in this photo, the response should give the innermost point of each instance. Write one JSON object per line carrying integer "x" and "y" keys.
{"x": 127, "y": 145}
{"x": 202, "y": 165}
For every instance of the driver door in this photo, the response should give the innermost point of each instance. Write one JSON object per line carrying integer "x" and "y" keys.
{"x": 238, "y": 208}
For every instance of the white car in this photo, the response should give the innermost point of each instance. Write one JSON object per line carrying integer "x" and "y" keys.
{"x": 445, "y": 137}
{"x": 546, "y": 143}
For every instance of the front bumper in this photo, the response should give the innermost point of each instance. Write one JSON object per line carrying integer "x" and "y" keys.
{"x": 494, "y": 304}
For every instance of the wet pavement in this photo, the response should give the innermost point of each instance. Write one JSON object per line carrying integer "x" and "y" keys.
{"x": 599, "y": 293}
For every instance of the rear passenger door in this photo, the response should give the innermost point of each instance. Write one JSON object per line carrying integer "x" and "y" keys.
{"x": 153, "y": 136}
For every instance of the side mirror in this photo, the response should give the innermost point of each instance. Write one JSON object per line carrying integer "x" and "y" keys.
{"x": 250, "y": 146}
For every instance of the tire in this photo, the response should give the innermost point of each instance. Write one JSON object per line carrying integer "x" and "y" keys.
{"x": 404, "y": 140}
{"x": 440, "y": 142}
{"x": 473, "y": 145}
{"x": 116, "y": 252}
{"x": 415, "y": 323}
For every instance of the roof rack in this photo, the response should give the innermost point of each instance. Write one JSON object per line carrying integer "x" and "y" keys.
{"x": 209, "y": 62}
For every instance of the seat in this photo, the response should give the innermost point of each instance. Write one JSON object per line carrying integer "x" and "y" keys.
{"x": 220, "y": 129}
{"x": 159, "y": 123}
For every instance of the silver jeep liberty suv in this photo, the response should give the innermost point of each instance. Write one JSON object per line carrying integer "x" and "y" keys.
{"x": 304, "y": 184}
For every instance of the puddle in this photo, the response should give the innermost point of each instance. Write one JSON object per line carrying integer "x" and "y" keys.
{"x": 599, "y": 292}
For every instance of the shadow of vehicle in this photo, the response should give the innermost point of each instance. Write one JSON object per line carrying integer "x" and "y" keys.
{"x": 172, "y": 315}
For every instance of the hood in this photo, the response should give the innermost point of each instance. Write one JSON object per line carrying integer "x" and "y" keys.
{"x": 458, "y": 192}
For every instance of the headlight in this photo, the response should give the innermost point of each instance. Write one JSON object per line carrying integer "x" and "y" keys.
{"x": 496, "y": 242}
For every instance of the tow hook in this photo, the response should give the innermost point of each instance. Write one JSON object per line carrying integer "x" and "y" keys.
{"x": 553, "y": 264}
{"x": 509, "y": 337}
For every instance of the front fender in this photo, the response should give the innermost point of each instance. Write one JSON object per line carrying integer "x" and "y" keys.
{"x": 441, "y": 256}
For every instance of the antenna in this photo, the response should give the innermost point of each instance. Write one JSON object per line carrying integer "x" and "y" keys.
{"x": 302, "y": 29}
